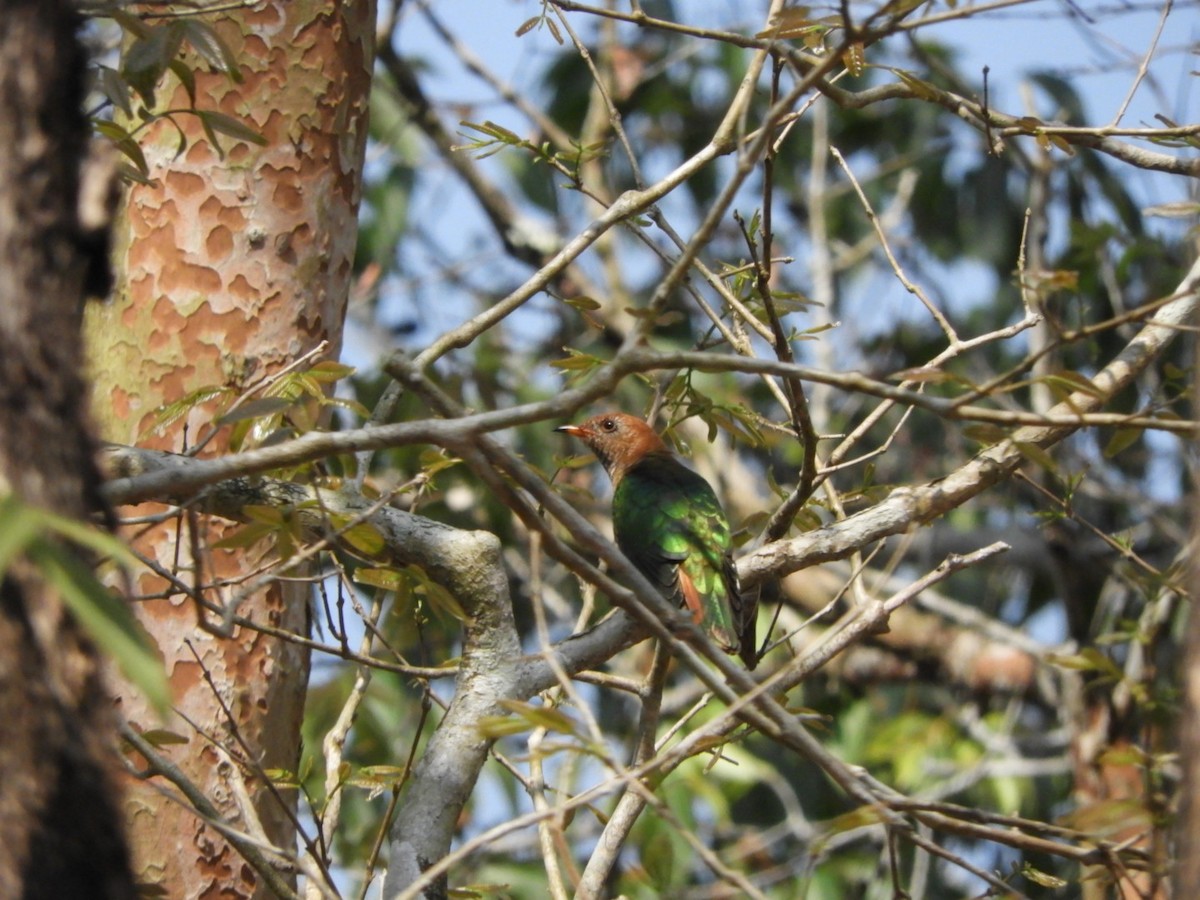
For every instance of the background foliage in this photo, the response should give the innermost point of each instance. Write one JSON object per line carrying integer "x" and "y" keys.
{"x": 928, "y": 262}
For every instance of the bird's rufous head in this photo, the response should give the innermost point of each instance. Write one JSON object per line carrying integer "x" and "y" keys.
{"x": 619, "y": 441}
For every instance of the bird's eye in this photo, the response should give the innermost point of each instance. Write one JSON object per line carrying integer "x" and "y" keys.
{"x": 608, "y": 425}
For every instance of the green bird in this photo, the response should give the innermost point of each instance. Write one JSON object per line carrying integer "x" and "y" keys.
{"x": 669, "y": 523}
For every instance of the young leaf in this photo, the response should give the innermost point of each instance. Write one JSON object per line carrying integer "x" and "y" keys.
{"x": 211, "y": 48}
{"x": 228, "y": 125}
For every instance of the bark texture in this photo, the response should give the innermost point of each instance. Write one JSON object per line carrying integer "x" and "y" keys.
{"x": 235, "y": 261}
{"x": 1186, "y": 873}
{"x": 59, "y": 831}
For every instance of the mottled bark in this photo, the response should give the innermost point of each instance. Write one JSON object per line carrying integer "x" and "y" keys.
{"x": 59, "y": 832}
{"x": 235, "y": 261}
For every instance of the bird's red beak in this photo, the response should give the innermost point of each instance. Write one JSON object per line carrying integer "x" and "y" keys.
{"x": 573, "y": 430}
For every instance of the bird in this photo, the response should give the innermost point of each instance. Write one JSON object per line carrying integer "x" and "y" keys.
{"x": 668, "y": 521}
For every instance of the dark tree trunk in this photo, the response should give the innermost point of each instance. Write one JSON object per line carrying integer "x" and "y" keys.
{"x": 1187, "y": 867}
{"x": 1187, "y": 825}
{"x": 59, "y": 832}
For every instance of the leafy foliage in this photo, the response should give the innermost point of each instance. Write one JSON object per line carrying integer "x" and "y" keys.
{"x": 857, "y": 280}
{"x": 58, "y": 548}
{"x": 148, "y": 51}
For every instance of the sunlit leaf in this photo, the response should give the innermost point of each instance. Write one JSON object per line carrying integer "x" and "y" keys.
{"x": 245, "y": 537}
{"x": 1089, "y": 659}
{"x": 384, "y": 578}
{"x": 162, "y": 737}
{"x": 790, "y": 22}
{"x": 171, "y": 413}
{"x": 854, "y": 59}
{"x": 583, "y": 303}
{"x": 546, "y": 717}
{"x": 856, "y": 818}
{"x": 922, "y": 90}
{"x": 576, "y": 362}
{"x": 1042, "y": 879}
{"x": 329, "y": 371}
{"x": 364, "y": 538}
{"x": 1037, "y": 455}
{"x": 253, "y": 409}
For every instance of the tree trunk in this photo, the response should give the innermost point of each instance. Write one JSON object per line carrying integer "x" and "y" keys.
{"x": 1187, "y": 825}
{"x": 59, "y": 825}
{"x": 233, "y": 263}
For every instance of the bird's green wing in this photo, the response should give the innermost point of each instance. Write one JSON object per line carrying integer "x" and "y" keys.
{"x": 670, "y": 524}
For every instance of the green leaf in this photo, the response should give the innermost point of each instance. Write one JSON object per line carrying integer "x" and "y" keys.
{"x": 133, "y": 175}
{"x": 576, "y": 360}
{"x": 1075, "y": 382}
{"x": 245, "y": 537}
{"x": 254, "y": 409}
{"x": 116, "y": 89}
{"x": 170, "y": 413}
{"x": 228, "y": 125}
{"x": 104, "y": 616}
{"x": 922, "y": 90}
{"x": 437, "y": 596}
{"x": 541, "y": 716}
{"x": 23, "y": 524}
{"x": 282, "y": 777}
{"x": 129, "y": 22}
{"x": 384, "y": 578}
{"x": 985, "y": 433}
{"x": 349, "y": 405}
{"x": 124, "y": 142}
{"x": 789, "y": 22}
{"x": 89, "y": 537}
{"x": 19, "y": 527}
{"x": 493, "y": 727}
{"x": 107, "y": 619}
{"x": 364, "y": 538}
{"x": 854, "y": 58}
{"x": 1037, "y": 455}
{"x": 480, "y": 891}
{"x": 583, "y": 303}
{"x": 162, "y": 737}
{"x": 211, "y": 48}
{"x": 376, "y": 779}
{"x": 147, "y": 59}
{"x": 329, "y": 371}
{"x": 1122, "y": 439}
{"x": 436, "y": 460}
{"x": 297, "y": 385}
{"x": 1089, "y": 659}
{"x": 1042, "y": 879}
{"x": 269, "y": 515}
{"x": 186, "y": 77}
{"x": 496, "y": 138}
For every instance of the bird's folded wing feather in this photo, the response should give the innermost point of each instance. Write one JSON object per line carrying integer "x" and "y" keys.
{"x": 669, "y": 523}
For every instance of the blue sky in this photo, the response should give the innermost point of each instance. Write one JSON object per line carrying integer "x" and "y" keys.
{"x": 1103, "y": 55}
